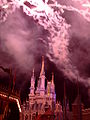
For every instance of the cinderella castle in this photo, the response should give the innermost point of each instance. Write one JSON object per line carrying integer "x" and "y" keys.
{"x": 40, "y": 99}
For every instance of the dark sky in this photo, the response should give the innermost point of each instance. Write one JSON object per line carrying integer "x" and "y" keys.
{"x": 23, "y": 40}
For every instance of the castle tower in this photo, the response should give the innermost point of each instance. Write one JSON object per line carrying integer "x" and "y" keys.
{"x": 52, "y": 84}
{"x": 42, "y": 78}
{"x": 53, "y": 88}
{"x": 52, "y": 93}
{"x": 77, "y": 106}
{"x": 32, "y": 88}
{"x": 77, "y": 109}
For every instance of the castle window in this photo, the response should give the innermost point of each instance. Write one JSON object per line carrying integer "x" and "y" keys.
{"x": 33, "y": 107}
{"x": 40, "y": 106}
{"x": 26, "y": 117}
{"x": 36, "y": 106}
{"x": 33, "y": 116}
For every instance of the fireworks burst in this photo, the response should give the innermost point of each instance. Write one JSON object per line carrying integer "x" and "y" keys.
{"x": 49, "y": 15}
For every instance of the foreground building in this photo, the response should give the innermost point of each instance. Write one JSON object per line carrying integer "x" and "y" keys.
{"x": 78, "y": 111}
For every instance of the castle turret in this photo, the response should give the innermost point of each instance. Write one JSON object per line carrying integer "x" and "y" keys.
{"x": 52, "y": 86}
{"x": 42, "y": 68}
{"x": 52, "y": 93}
{"x": 32, "y": 88}
{"x": 42, "y": 78}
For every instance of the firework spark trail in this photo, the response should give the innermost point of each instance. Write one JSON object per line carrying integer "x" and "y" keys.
{"x": 59, "y": 39}
{"x": 54, "y": 23}
{"x": 58, "y": 28}
{"x": 51, "y": 20}
{"x": 85, "y": 11}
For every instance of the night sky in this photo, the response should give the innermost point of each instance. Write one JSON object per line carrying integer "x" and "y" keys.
{"x": 23, "y": 42}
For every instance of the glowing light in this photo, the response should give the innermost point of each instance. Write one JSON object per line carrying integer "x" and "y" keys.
{"x": 17, "y": 101}
{"x": 12, "y": 98}
{"x": 3, "y": 95}
{"x": 5, "y": 6}
{"x": 86, "y": 5}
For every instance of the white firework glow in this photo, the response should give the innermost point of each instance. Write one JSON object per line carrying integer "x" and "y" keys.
{"x": 49, "y": 15}
{"x": 12, "y": 98}
{"x": 57, "y": 27}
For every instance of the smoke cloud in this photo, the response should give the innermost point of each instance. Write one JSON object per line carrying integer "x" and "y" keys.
{"x": 19, "y": 38}
{"x": 58, "y": 35}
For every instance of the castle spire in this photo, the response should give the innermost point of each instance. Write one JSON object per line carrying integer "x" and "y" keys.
{"x": 52, "y": 85}
{"x": 52, "y": 81}
{"x": 42, "y": 68}
{"x": 33, "y": 73}
{"x": 42, "y": 78}
{"x": 32, "y": 88}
